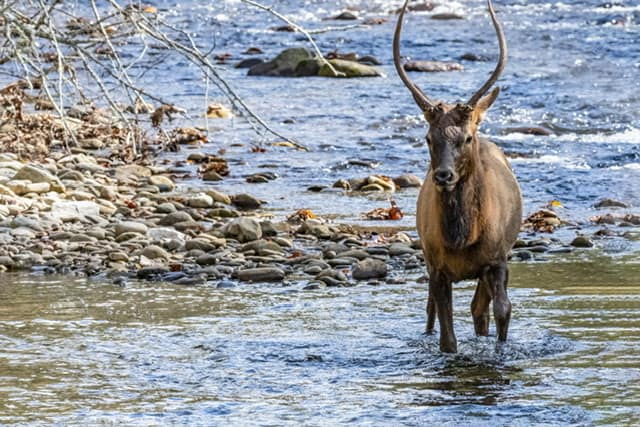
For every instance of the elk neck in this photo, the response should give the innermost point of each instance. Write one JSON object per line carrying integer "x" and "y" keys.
{"x": 461, "y": 208}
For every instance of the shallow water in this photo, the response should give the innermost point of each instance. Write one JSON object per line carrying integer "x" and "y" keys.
{"x": 77, "y": 352}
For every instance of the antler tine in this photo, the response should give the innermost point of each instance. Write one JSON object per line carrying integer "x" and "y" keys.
{"x": 421, "y": 99}
{"x": 501, "y": 62}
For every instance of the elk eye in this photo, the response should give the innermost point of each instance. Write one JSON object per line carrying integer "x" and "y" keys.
{"x": 469, "y": 139}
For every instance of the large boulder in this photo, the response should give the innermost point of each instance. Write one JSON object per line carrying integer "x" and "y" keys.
{"x": 284, "y": 65}
{"x": 349, "y": 69}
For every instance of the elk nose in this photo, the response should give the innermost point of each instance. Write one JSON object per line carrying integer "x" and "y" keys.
{"x": 443, "y": 176}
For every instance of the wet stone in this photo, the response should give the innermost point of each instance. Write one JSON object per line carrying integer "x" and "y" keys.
{"x": 610, "y": 203}
{"x": 151, "y": 272}
{"x": 246, "y": 201}
{"x": 262, "y": 274}
{"x": 369, "y": 269}
{"x": 582, "y": 242}
{"x": 175, "y": 217}
{"x": 130, "y": 227}
{"x": 397, "y": 249}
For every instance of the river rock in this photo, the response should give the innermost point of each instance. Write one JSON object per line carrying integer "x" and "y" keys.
{"x": 67, "y": 211}
{"x": 369, "y": 268}
{"x": 34, "y": 174}
{"x": 263, "y": 274}
{"x": 446, "y": 16}
{"x": 345, "y": 16}
{"x": 246, "y": 201}
{"x": 349, "y": 69}
{"x": 200, "y": 200}
{"x": 24, "y": 221}
{"x": 243, "y": 229}
{"x": 610, "y": 203}
{"x": 249, "y": 63}
{"x": 407, "y": 180}
{"x": 155, "y": 252}
{"x": 163, "y": 183}
{"x": 284, "y": 65}
{"x": 219, "y": 197}
{"x": 582, "y": 242}
{"x": 432, "y": 66}
{"x": 130, "y": 227}
{"x": 174, "y": 218}
{"x": 200, "y": 244}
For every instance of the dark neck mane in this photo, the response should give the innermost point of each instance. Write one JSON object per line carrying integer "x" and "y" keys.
{"x": 460, "y": 210}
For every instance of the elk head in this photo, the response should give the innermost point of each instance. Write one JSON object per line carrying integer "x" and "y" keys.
{"x": 452, "y": 138}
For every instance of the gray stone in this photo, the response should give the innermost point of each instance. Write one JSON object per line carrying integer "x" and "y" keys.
{"x": 582, "y": 242}
{"x": 369, "y": 268}
{"x": 200, "y": 200}
{"x": 163, "y": 183}
{"x": 130, "y": 227}
{"x": 200, "y": 243}
{"x": 432, "y": 66}
{"x": 243, "y": 229}
{"x": 263, "y": 274}
{"x": 246, "y": 201}
{"x": 283, "y": 65}
{"x": 154, "y": 252}
{"x": 175, "y": 217}
{"x": 349, "y": 69}
{"x": 34, "y": 174}
{"x": 407, "y": 180}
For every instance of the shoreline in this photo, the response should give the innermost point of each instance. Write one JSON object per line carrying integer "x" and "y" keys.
{"x": 82, "y": 215}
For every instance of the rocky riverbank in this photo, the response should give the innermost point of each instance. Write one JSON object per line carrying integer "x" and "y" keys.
{"x": 85, "y": 215}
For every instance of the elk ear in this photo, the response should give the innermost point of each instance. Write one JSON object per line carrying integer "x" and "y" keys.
{"x": 483, "y": 105}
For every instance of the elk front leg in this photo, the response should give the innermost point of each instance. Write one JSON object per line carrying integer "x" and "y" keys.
{"x": 496, "y": 277}
{"x": 431, "y": 313}
{"x": 440, "y": 288}
{"x": 480, "y": 308}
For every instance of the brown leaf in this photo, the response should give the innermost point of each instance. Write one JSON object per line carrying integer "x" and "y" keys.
{"x": 394, "y": 213}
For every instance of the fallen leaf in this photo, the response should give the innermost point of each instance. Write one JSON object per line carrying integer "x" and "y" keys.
{"x": 301, "y": 215}
{"x": 394, "y": 213}
{"x": 555, "y": 204}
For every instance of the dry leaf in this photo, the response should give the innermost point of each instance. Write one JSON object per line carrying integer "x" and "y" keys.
{"x": 301, "y": 215}
{"x": 394, "y": 213}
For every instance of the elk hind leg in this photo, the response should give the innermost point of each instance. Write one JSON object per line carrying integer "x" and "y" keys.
{"x": 431, "y": 313}
{"x": 480, "y": 308}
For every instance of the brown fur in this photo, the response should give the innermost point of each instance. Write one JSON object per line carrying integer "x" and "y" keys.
{"x": 469, "y": 208}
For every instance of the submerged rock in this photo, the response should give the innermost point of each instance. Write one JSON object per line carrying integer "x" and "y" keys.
{"x": 433, "y": 66}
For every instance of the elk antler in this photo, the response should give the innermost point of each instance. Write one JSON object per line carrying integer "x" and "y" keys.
{"x": 501, "y": 61}
{"x": 421, "y": 99}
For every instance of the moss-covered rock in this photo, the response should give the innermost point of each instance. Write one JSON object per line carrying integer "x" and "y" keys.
{"x": 348, "y": 69}
{"x": 283, "y": 65}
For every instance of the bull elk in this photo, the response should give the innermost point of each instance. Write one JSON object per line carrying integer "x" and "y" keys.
{"x": 469, "y": 208}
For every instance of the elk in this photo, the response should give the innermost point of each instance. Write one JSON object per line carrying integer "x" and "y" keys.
{"x": 469, "y": 207}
